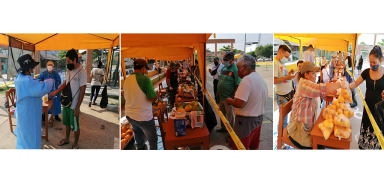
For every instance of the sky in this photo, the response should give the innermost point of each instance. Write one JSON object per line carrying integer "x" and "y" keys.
{"x": 369, "y": 38}
{"x": 239, "y": 40}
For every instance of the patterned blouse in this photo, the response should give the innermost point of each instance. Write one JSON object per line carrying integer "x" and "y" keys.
{"x": 302, "y": 100}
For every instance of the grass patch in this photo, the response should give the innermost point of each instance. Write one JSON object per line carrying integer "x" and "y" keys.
{"x": 3, "y": 89}
{"x": 114, "y": 97}
{"x": 114, "y": 104}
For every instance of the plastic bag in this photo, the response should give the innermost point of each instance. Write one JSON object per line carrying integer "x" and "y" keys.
{"x": 342, "y": 132}
{"x": 329, "y": 113}
{"x": 326, "y": 128}
{"x": 342, "y": 120}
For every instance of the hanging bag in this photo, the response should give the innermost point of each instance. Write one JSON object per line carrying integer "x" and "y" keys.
{"x": 66, "y": 94}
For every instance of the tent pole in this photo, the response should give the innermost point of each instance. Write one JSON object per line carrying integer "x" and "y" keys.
{"x": 108, "y": 62}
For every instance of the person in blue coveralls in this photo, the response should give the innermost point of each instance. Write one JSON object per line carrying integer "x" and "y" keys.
{"x": 29, "y": 104}
{"x": 51, "y": 74}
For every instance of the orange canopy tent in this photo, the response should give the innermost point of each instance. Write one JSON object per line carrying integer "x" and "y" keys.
{"x": 63, "y": 41}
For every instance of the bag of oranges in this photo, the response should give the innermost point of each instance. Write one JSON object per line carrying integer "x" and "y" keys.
{"x": 326, "y": 128}
{"x": 342, "y": 132}
{"x": 342, "y": 120}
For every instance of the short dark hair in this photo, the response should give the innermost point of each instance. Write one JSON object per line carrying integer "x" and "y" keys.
{"x": 310, "y": 46}
{"x": 196, "y": 62}
{"x": 216, "y": 58}
{"x": 285, "y": 48}
{"x": 376, "y": 51}
{"x": 100, "y": 64}
{"x": 72, "y": 54}
{"x": 299, "y": 62}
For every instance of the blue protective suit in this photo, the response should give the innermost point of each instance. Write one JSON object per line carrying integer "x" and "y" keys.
{"x": 56, "y": 101}
{"x": 29, "y": 109}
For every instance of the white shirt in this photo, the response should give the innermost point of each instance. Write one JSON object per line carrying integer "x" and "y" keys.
{"x": 254, "y": 91}
{"x": 216, "y": 76}
{"x": 325, "y": 72}
{"x": 281, "y": 71}
{"x": 154, "y": 67}
{"x": 96, "y": 76}
{"x": 308, "y": 56}
{"x": 78, "y": 80}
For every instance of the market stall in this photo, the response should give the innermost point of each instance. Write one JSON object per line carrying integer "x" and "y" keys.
{"x": 330, "y": 130}
{"x": 173, "y": 47}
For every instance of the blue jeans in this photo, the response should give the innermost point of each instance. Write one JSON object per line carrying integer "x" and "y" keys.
{"x": 94, "y": 92}
{"x": 280, "y": 100}
{"x": 146, "y": 128}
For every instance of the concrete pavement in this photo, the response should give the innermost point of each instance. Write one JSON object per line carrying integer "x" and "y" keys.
{"x": 99, "y": 128}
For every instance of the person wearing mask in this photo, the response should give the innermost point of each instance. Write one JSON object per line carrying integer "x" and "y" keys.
{"x": 359, "y": 65}
{"x": 374, "y": 82}
{"x": 324, "y": 72}
{"x": 282, "y": 79}
{"x": 80, "y": 59}
{"x": 294, "y": 80}
{"x": 229, "y": 80}
{"x": 215, "y": 70}
{"x": 185, "y": 64}
{"x": 139, "y": 95}
{"x": 77, "y": 77}
{"x": 97, "y": 78}
{"x": 249, "y": 102}
{"x": 306, "y": 105}
{"x": 172, "y": 83}
{"x": 28, "y": 107}
{"x": 308, "y": 54}
{"x": 51, "y": 74}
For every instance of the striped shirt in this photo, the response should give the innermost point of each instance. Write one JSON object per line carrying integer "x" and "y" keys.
{"x": 302, "y": 100}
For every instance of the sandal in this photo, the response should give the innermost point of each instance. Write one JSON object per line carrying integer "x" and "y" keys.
{"x": 62, "y": 143}
{"x": 75, "y": 147}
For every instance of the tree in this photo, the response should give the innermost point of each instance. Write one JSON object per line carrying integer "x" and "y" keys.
{"x": 208, "y": 50}
{"x": 381, "y": 43}
{"x": 228, "y": 48}
{"x": 266, "y": 51}
{"x": 362, "y": 42}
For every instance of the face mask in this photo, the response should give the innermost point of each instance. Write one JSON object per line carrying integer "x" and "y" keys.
{"x": 227, "y": 64}
{"x": 70, "y": 66}
{"x": 216, "y": 63}
{"x": 375, "y": 68}
{"x": 50, "y": 68}
{"x": 283, "y": 60}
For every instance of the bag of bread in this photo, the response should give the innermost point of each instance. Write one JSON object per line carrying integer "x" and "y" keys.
{"x": 342, "y": 132}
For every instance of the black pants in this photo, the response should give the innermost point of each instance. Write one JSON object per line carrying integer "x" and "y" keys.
{"x": 93, "y": 89}
{"x": 215, "y": 82}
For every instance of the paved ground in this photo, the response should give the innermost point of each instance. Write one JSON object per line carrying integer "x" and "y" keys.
{"x": 92, "y": 136}
{"x": 356, "y": 120}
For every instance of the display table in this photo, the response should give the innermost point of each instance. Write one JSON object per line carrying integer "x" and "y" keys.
{"x": 195, "y": 136}
{"x": 332, "y": 141}
{"x": 184, "y": 100}
{"x": 46, "y": 106}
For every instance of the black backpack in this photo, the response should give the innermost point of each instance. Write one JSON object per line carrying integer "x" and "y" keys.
{"x": 66, "y": 94}
{"x": 104, "y": 97}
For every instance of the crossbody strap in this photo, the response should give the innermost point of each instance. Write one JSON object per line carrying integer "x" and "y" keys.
{"x": 79, "y": 84}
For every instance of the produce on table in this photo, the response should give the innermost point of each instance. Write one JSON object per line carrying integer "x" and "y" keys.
{"x": 180, "y": 109}
{"x": 188, "y": 108}
{"x": 337, "y": 116}
{"x": 342, "y": 132}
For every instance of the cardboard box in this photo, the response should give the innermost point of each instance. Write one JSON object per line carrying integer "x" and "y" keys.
{"x": 180, "y": 127}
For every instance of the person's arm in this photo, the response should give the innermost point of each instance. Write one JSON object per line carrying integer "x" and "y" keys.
{"x": 356, "y": 83}
{"x": 41, "y": 78}
{"x": 234, "y": 92}
{"x": 80, "y": 100}
{"x": 154, "y": 98}
{"x": 331, "y": 87}
{"x": 38, "y": 89}
{"x": 101, "y": 79}
{"x": 237, "y": 103}
{"x": 59, "y": 89}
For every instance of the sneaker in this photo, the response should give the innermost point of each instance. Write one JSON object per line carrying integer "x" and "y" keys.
{"x": 143, "y": 148}
{"x": 283, "y": 146}
{"x": 89, "y": 105}
{"x": 57, "y": 118}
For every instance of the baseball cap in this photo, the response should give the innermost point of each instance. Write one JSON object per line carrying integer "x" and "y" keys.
{"x": 141, "y": 62}
{"x": 324, "y": 62}
{"x": 308, "y": 66}
{"x": 229, "y": 55}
